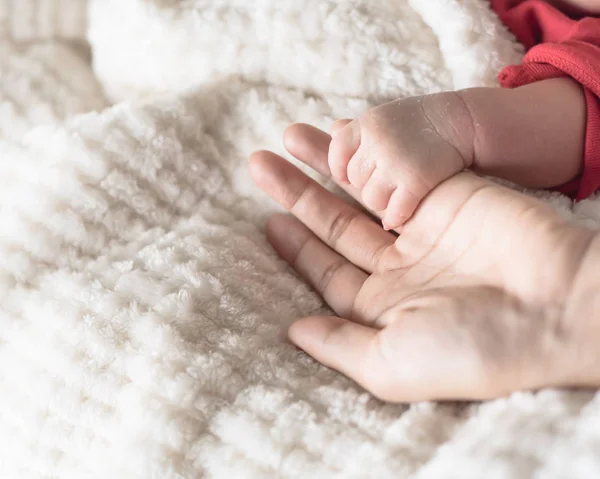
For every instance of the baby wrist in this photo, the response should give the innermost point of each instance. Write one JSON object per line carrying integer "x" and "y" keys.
{"x": 450, "y": 115}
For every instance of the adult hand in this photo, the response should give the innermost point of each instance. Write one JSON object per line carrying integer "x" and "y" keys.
{"x": 474, "y": 299}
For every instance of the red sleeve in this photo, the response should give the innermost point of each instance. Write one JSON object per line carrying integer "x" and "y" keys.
{"x": 559, "y": 45}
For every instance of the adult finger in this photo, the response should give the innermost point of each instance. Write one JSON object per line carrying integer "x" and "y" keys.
{"x": 345, "y": 346}
{"x": 311, "y": 146}
{"x": 336, "y": 279}
{"x": 344, "y": 228}
{"x": 419, "y": 357}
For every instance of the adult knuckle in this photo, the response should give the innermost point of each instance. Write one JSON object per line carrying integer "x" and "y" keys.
{"x": 299, "y": 193}
{"x": 328, "y": 274}
{"x": 299, "y": 251}
{"x": 339, "y": 225}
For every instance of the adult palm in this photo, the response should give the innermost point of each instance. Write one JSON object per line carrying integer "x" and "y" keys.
{"x": 471, "y": 300}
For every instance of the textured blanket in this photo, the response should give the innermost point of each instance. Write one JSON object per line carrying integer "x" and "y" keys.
{"x": 141, "y": 309}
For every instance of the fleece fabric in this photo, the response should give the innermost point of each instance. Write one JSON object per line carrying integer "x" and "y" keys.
{"x": 142, "y": 311}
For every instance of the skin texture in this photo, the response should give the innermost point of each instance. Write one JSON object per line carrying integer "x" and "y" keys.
{"x": 482, "y": 293}
{"x": 591, "y": 7}
{"x": 396, "y": 153}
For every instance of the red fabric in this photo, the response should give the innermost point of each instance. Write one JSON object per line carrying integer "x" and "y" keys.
{"x": 559, "y": 44}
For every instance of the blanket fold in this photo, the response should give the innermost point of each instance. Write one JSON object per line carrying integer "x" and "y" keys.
{"x": 43, "y": 83}
{"x": 35, "y": 20}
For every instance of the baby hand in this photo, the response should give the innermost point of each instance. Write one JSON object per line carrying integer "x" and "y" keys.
{"x": 396, "y": 153}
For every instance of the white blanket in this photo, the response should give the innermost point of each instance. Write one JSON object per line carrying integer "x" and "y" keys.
{"x": 142, "y": 310}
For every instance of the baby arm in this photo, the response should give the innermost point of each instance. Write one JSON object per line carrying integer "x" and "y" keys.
{"x": 533, "y": 135}
{"x": 398, "y": 152}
